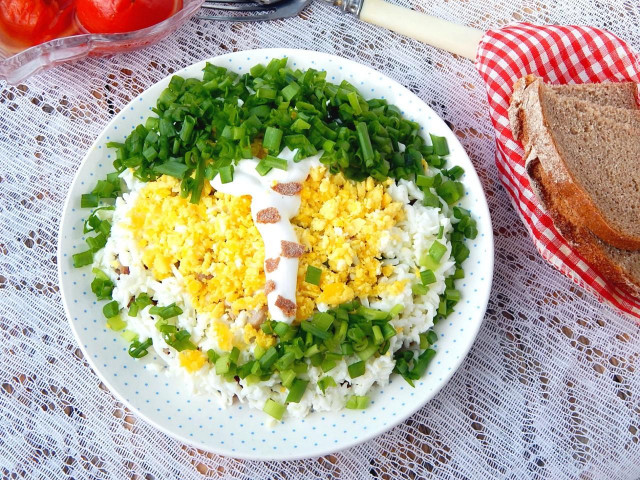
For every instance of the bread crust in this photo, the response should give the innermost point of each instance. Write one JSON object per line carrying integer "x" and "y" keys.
{"x": 566, "y": 221}
{"x": 529, "y": 125}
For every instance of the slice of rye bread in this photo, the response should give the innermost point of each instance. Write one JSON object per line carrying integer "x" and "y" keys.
{"x": 619, "y": 267}
{"x": 591, "y": 153}
{"x": 621, "y": 95}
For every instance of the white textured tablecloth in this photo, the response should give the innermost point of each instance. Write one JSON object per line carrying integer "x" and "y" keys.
{"x": 551, "y": 388}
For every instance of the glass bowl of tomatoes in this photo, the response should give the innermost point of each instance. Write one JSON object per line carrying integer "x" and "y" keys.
{"x": 38, "y": 34}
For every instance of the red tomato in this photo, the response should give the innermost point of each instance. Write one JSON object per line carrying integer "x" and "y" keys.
{"x": 116, "y": 16}
{"x": 34, "y": 21}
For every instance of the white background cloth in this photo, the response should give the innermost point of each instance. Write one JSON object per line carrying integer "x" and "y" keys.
{"x": 551, "y": 388}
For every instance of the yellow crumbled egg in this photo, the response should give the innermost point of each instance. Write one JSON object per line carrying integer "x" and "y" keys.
{"x": 223, "y": 334}
{"x": 219, "y": 253}
{"x": 341, "y": 223}
{"x": 192, "y": 360}
{"x": 214, "y": 245}
{"x": 261, "y": 338}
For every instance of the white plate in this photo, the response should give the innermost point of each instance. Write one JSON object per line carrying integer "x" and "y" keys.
{"x": 240, "y": 431}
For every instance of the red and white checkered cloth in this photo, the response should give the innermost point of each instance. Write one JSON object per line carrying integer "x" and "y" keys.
{"x": 559, "y": 55}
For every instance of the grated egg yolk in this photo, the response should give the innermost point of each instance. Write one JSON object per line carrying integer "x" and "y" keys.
{"x": 341, "y": 223}
{"x": 214, "y": 245}
{"x": 262, "y": 339}
{"x": 192, "y": 360}
{"x": 219, "y": 252}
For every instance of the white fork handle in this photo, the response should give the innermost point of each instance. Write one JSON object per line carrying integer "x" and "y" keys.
{"x": 449, "y": 36}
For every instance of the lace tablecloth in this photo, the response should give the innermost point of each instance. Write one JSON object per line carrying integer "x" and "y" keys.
{"x": 551, "y": 388}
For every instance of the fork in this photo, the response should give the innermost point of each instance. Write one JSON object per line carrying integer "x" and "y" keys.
{"x": 452, "y": 37}
{"x": 253, "y": 10}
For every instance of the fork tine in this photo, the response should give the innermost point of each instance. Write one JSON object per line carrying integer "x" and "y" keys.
{"x": 281, "y": 9}
{"x": 214, "y": 3}
{"x": 240, "y": 7}
{"x": 263, "y": 2}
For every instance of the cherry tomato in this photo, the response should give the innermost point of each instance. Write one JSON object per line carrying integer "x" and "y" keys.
{"x": 34, "y": 21}
{"x": 116, "y": 16}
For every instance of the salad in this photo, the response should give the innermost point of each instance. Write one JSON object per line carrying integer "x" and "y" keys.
{"x": 278, "y": 240}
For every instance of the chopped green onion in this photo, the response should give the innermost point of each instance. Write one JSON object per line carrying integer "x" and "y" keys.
{"x": 453, "y": 295}
{"x": 357, "y": 402}
{"x": 428, "y": 262}
{"x": 300, "y": 125}
{"x": 281, "y": 329}
{"x": 396, "y": 309}
{"x": 268, "y": 93}
{"x": 171, "y": 168}
{"x": 430, "y": 200}
{"x": 424, "y": 181}
{"x": 272, "y": 138}
{"x": 275, "y": 409}
{"x": 368, "y": 351}
{"x": 82, "y": 259}
{"x": 262, "y": 168}
{"x": 432, "y": 337}
{"x": 364, "y": 141}
{"x": 287, "y": 377}
{"x": 133, "y": 309}
{"x": 187, "y": 128}
{"x": 307, "y": 326}
{"x": 89, "y": 200}
{"x": 275, "y": 162}
{"x": 297, "y": 390}
{"x": 166, "y": 312}
{"x": 356, "y": 369}
{"x": 139, "y": 349}
{"x": 223, "y": 364}
{"x": 226, "y": 174}
{"x": 440, "y": 146}
{"x": 421, "y": 363}
{"x": 330, "y": 361}
{"x": 346, "y": 349}
{"x": 460, "y": 252}
{"x": 427, "y": 277}
{"x": 101, "y": 286}
{"x": 377, "y": 335}
{"x": 450, "y": 191}
{"x": 388, "y": 331}
{"x": 458, "y": 274}
{"x": 313, "y": 275}
{"x": 269, "y": 358}
{"x": 290, "y": 91}
{"x": 258, "y": 352}
{"x": 419, "y": 289}
{"x": 212, "y": 355}
{"x": 143, "y": 300}
{"x": 354, "y": 102}
{"x": 111, "y": 309}
{"x": 455, "y": 172}
{"x": 285, "y": 361}
{"x": 437, "y": 251}
{"x": 322, "y": 320}
{"x": 234, "y": 355}
{"x": 97, "y": 242}
{"x": 326, "y": 382}
{"x": 116, "y": 323}
{"x": 371, "y": 313}
{"x": 129, "y": 336}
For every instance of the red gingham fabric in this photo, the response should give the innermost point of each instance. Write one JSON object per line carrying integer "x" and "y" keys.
{"x": 559, "y": 55}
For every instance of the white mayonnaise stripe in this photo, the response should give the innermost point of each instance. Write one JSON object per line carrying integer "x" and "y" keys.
{"x": 247, "y": 181}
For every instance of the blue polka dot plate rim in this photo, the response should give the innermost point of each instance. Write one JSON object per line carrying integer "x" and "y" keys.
{"x": 239, "y": 431}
